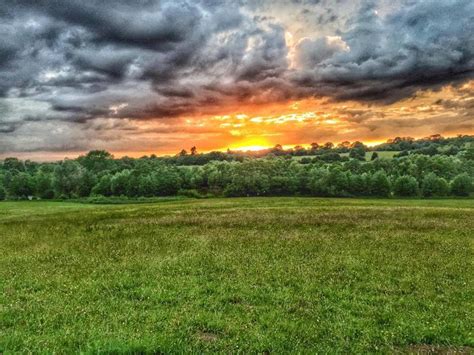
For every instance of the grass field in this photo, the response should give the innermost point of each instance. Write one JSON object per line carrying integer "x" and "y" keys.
{"x": 237, "y": 275}
{"x": 368, "y": 155}
{"x": 386, "y": 154}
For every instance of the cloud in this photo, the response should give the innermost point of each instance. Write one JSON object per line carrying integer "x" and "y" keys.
{"x": 311, "y": 53}
{"x": 423, "y": 44}
{"x": 71, "y": 62}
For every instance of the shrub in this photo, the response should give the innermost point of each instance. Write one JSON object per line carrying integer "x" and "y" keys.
{"x": 47, "y": 194}
{"x": 357, "y": 153}
{"x": 193, "y": 193}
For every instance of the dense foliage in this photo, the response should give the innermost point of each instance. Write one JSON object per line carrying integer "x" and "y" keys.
{"x": 431, "y": 167}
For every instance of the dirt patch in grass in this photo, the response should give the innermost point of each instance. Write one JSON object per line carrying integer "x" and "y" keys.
{"x": 207, "y": 336}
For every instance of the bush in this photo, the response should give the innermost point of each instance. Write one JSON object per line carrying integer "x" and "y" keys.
{"x": 117, "y": 200}
{"x": 357, "y": 153}
{"x": 461, "y": 185}
{"x": 193, "y": 193}
{"x": 405, "y": 186}
{"x": 3, "y": 194}
{"x": 403, "y": 153}
{"x": 47, "y": 194}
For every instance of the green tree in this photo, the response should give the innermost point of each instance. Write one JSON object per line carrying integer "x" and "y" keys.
{"x": 433, "y": 185}
{"x": 469, "y": 151}
{"x": 13, "y": 165}
{"x": 103, "y": 186}
{"x": 43, "y": 185}
{"x": 120, "y": 183}
{"x": 461, "y": 185}
{"x": 379, "y": 185}
{"x": 3, "y": 193}
{"x": 318, "y": 182}
{"x": 21, "y": 186}
{"x": 314, "y": 147}
{"x": 165, "y": 182}
{"x": 405, "y": 186}
{"x": 248, "y": 180}
{"x": 358, "y": 185}
{"x": 97, "y": 161}
{"x": 67, "y": 178}
{"x": 357, "y": 153}
{"x": 328, "y": 145}
{"x": 86, "y": 182}
{"x": 337, "y": 182}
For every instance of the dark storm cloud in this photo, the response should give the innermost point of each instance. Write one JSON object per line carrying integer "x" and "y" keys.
{"x": 149, "y": 24}
{"x": 87, "y": 60}
{"x": 424, "y": 44}
{"x": 8, "y": 127}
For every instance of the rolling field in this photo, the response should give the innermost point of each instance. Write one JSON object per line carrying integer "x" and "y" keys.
{"x": 368, "y": 155}
{"x": 237, "y": 275}
{"x": 386, "y": 154}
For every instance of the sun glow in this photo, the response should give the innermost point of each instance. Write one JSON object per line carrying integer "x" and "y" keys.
{"x": 262, "y": 126}
{"x": 251, "y": 144}
{"x": 252, "y": 148}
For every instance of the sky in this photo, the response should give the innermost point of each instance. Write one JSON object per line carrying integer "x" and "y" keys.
{"x": 153, "y": 77}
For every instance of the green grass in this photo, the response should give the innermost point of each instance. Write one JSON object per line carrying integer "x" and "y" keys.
{"x": 237, "y": 275}
{"x": 382, "y": 154}
{"x": 368, "y": 155}
{"x": 386, "y": 154}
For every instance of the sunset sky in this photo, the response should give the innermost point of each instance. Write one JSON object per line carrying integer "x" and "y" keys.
{"x": 149, "y": 76}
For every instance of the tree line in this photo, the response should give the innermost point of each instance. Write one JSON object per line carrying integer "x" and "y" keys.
{"x": 328, "y": 151}
{"x": 98, "y": 174}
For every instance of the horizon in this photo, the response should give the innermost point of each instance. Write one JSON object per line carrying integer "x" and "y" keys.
{"x": 244, "y": 150}
{"x": 220, "y": 75}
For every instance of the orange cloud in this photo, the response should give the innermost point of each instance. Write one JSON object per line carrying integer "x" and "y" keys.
{"x": 302, "y": 122}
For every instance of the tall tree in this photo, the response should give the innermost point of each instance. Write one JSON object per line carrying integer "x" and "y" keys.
{"x": 461, "y": 185}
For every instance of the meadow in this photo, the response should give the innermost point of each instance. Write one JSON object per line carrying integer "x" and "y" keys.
{"x": 381, "y": 154}
{"x": 238, "y": 275}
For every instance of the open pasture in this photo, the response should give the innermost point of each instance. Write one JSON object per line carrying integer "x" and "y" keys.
{"x": 237, "y": 275}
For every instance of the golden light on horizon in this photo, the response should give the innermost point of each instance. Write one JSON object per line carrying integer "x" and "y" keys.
{"x": 253, "y": 127}
{"x": 251, "y": 144}
{"x": 251, "y": 148}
